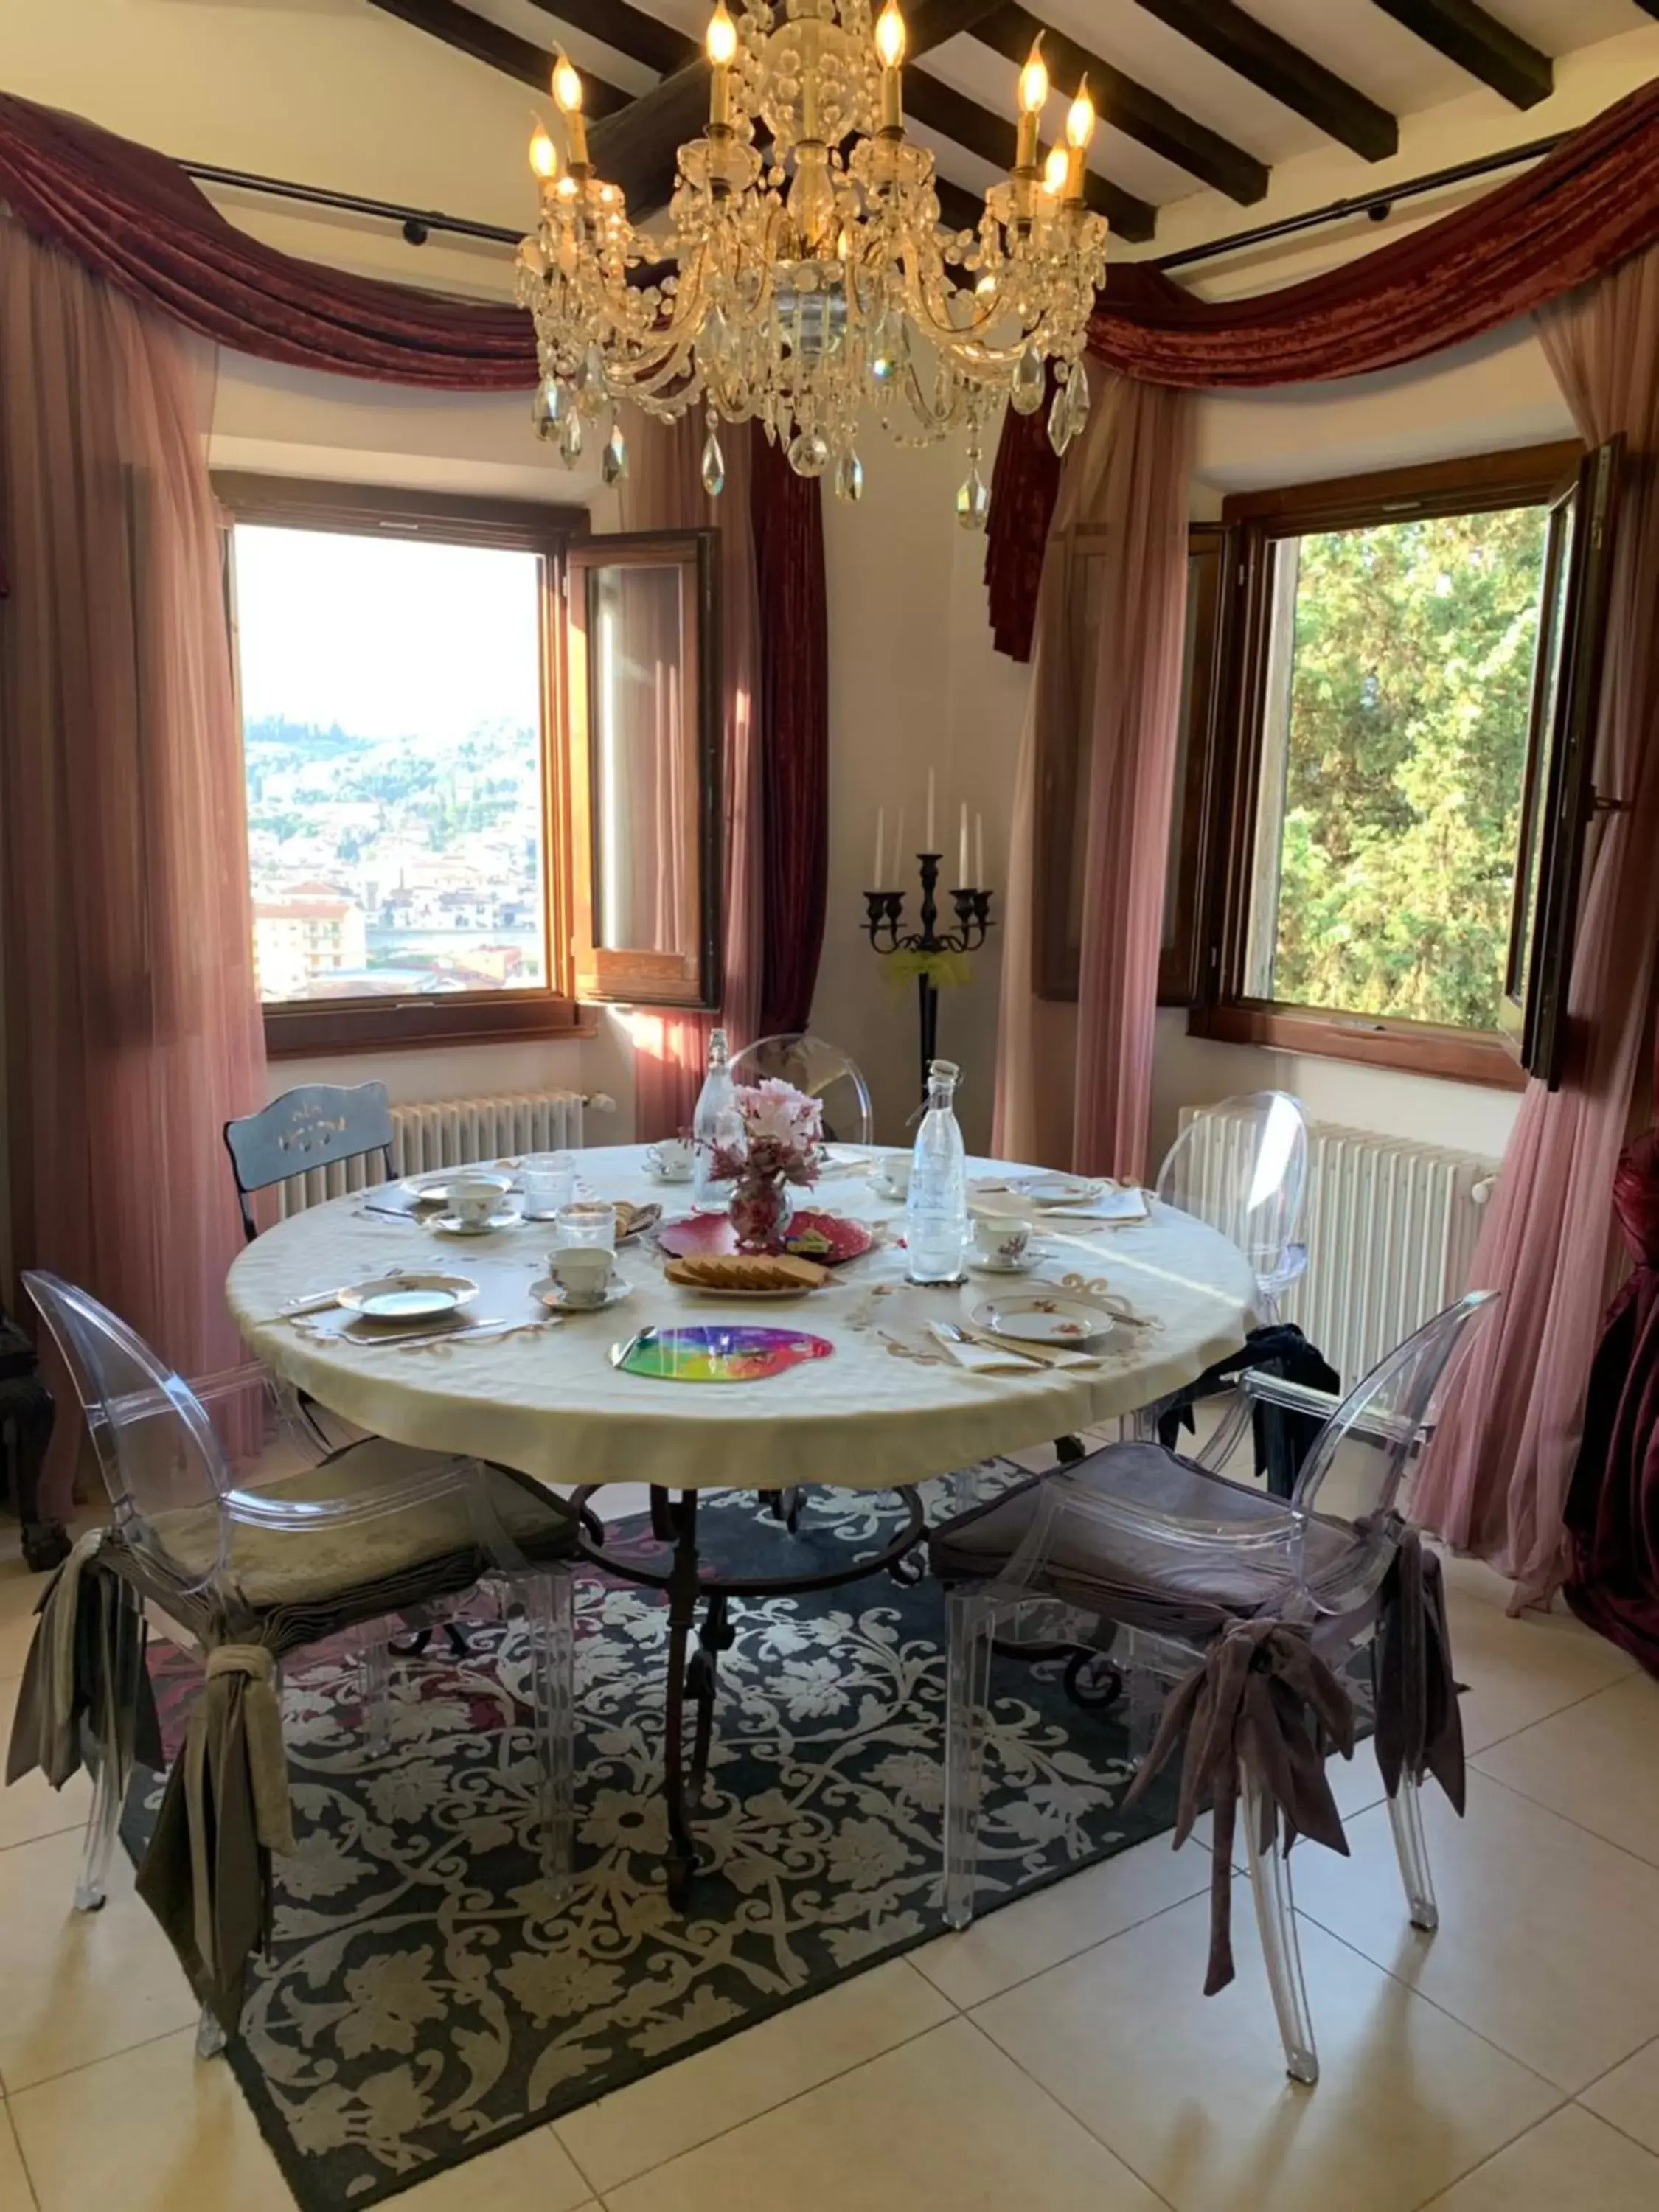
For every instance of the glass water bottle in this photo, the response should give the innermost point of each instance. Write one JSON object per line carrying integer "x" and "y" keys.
{"x": 714, "y": 1122}
{"x": 936, "y": 1215}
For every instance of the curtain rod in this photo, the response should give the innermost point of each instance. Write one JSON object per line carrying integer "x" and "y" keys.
{"x": 417, "y": 223}
{"x": 1376, "y": 204}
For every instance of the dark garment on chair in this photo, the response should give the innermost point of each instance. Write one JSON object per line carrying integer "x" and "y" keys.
{"x": 1283, "y": 1438}
{"x": 1612, "y": 1507}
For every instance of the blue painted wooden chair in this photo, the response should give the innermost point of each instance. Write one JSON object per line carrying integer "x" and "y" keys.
{"x": 307, "y": 1128}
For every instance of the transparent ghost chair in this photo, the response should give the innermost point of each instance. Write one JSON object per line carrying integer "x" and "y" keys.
{"x": 225, "y": 1519}
{"x": 1158, "y": 1559}
{"x": 823, "y": 1071}
{"x": 1242, "y": 1167}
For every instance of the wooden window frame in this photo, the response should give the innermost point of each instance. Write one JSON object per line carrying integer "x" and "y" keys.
{"x": 299, "y": 1027}
{"x": 1223, "y": 1010}
{"x": 689, "y": 980}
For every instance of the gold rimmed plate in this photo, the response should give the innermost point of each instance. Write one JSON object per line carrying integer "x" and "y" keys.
{"x": 408, "y": 1296}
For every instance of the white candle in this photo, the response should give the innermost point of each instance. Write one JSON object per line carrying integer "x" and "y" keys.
{"x": 979, "y": 851}
{"x": 877, "y": 878}
{"x": 961, "y": 847}
{"x": 898, "y": 851}
{"x": 930, "y": 845}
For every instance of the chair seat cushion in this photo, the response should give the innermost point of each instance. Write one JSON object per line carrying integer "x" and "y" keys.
{"x": 1157, "y": 1580}
{"x": 437, "y": 1545}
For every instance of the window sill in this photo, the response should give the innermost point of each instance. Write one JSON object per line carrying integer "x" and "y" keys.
{"x": 1411, "y": 1048}
{"x": 295, "y": 1030}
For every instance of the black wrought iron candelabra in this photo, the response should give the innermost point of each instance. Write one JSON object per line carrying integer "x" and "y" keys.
{"x": 884, "y": 912}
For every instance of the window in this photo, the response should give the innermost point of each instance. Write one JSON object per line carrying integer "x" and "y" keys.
{"x": 418, "y": 778}
{"x": 1398, "y": 762}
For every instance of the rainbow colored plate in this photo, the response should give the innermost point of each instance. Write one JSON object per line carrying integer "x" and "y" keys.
{"x": 712, "y": 1354}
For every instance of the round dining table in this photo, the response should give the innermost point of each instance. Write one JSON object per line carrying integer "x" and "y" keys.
{"x": 885, "y": 1406}
{"x": 548, "y": 1400}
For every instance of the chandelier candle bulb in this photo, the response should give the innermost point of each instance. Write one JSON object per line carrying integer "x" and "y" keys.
{"x": 890, "y": 48}
{"x": 876, "y": 882}
{"x": 1033, "y": 98}
{"x": 721, "y": 43}
{"x": 931, "y": 848}
{"x": 962, "y": 848}
{"x": 1079, "y": 130}
{"x": 568, "y": 99}
{"x": 979, "y": 851}
{"x": 544, "y": 155}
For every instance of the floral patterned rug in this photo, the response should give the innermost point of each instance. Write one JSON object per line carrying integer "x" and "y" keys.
{"x": 426, "y": 1999}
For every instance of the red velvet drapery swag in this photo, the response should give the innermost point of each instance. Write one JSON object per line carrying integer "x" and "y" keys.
{"x": 1585, "y": 207}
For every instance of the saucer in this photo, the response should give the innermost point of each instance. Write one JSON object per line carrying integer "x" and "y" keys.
{"x": 451, "y": 1224}
{"x": 1050, "y": 1317}
{"x": 548, "y": 1291}
{"x": 980, "y": 1265}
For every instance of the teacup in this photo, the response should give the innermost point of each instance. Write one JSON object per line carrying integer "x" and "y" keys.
{"x": 670, "y": 1159}
{"x": 581, "y": 1272}
{"x": 1001, "y": 1240}
{"x": 473, "y": 1199}
{"x": 895, "y": 1173}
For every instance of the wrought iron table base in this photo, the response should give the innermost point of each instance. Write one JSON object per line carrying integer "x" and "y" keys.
{"x": 693, "y": 1673}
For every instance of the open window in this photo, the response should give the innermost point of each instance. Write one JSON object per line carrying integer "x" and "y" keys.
{"x": 644, "y": 690}
{"x": 1558, "y": 798}
{"x": 482, "y": 764}
{"x": 1408, "y": 667}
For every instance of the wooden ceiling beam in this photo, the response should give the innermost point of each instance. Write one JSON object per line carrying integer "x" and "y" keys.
{"x": 1284, "y": 72}
{"x": 630, "y": 30}
{"x": 929, "y": 100}
{"x": 1478, "y": 43}
{"x": 498, "y": 49}
{"x": 1142, "y": 115}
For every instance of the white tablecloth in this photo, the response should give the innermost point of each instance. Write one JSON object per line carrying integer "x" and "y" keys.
{"x": 550, "y": 1403}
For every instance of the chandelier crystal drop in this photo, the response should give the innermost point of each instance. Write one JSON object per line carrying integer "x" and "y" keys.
{"x": 806, "y": 276}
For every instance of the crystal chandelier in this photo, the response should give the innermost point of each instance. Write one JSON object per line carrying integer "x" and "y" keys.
{"x": 807, "y": 276}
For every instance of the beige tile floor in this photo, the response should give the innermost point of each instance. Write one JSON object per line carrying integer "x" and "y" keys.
{"x": 1057, "y": 2058}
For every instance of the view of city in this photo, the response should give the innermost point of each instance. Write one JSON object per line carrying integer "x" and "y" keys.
{"x": 392, "y": 706}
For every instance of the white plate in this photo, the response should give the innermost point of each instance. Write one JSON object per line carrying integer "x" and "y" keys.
{"x": 1042, "y": 1317}
{"x": 546, "y": 1290}
{"x": 1057, "y": 1190}
{"x": 409, "y": 1296}
{"x": 451, "y": 1224}
{"x": 433, "y": 1188}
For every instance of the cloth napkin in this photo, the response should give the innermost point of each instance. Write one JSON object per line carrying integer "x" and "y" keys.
{"x": 980, "y": 1358}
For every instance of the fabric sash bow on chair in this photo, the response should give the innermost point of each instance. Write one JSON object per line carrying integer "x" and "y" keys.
{"x": 206, "y": 1876}
{"x": 85, "y": 1671}
{"x": 1248, "y": 1706}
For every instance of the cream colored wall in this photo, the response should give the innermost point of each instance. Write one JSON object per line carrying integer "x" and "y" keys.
{"x": 913, "y": 682}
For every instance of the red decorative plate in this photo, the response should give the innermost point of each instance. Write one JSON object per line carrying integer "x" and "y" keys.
{"x": 829, "y": 1238}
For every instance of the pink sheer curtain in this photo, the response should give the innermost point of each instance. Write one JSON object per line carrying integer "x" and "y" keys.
{"x": 1075, "y": 1085}
{"x": 133, "y": 1029}
{"x": 1497, "y": 1481}
{"x": 663, "y": 490}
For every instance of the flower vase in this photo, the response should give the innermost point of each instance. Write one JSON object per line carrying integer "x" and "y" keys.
{"x": 761, "y": 1210}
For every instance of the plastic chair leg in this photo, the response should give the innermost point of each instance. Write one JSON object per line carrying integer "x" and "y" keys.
{"x": 1411, "y": 1848}
{"x": 550, "y": 1615}
{"x": 969, "y": 1622}
{"x": 210, "y": 2038}
{"x": 1275, "y": 1913}
{"x": 374, "y": 1663}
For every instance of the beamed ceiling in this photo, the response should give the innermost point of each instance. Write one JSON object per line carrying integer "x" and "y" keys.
{"x": 1192, "y": 94}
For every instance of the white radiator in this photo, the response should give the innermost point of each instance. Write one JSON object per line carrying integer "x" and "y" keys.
{"x": 445, "y": 1133}
{"x": 1391, "y": 1230}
